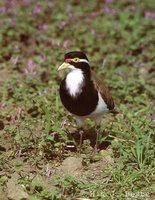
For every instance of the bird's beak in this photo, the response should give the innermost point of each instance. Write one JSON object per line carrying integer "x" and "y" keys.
{"x": 63, "y": 66}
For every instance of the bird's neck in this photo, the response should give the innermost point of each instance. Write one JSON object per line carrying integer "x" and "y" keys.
{"x": 75, "y": 80}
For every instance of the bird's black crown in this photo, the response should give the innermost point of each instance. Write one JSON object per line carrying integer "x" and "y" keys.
{"x": 74, "y": 54}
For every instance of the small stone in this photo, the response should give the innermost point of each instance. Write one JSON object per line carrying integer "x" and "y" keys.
{"x": 41, "y": 182}
{"x": 107, "y": 156}
{"x": 3, "y": 195}
{"x": 15, "y": 191}
{"x": 96, "y": 158}
{"x": 71, "y": 165}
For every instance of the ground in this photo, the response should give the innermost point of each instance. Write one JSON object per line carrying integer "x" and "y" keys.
{"x": 39, "y": 140}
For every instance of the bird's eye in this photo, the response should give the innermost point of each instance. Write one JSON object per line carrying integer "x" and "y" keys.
{"x": 75, "y": 59}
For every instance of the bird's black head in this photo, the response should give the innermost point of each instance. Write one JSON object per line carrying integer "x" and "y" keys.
{"x": 75, "y": 54}
{"x": 76, "y": 60}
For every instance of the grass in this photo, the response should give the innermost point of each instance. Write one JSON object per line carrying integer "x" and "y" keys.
{"x": 118, "y": 37}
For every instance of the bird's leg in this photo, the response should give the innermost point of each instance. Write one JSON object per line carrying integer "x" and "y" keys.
{"x": 81, "y": 132}
{"x": 97, "y": 127}
{"x": 80, "y": 122}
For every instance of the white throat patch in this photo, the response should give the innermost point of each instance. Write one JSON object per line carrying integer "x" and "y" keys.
{"x": 74, "y": 81}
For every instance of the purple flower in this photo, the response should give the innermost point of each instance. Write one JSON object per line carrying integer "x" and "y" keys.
{"x": 26, "y": 2}
{"x": 16, "y": 116}
{"x": 153, "y": 117}
{"x": 142, "y": 64}
{"x": 13, "y": 3}
{"x": 61, "y": 24}
{"x": 71, "y": 16}
{"x": 3, "y": 10}
{"x": 12, "y": 21}
{"x": 109, "y": 10}
{"x": 108, "y": 1}
{"x": 31, "y": 67}
{"x": 133, "y": 61}
{"x": 65, "y": 44}
{"x": 150, "y": 15}
{"x": 94, "y": 14}
{"x": 142, "y": 46}
{"x": 43, "y": 27}
{"x": 50, "y": 4}
{"x": 10, "y": 4}
{"x": 36, "y": 10}
{"x": 133, "y": 8}
{"x": 13, "y": 119}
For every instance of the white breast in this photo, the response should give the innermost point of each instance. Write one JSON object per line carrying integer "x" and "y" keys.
{"x": 74, "y": 82}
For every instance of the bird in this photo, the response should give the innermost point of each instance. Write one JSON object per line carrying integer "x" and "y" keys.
{"x": 81, "y": 92}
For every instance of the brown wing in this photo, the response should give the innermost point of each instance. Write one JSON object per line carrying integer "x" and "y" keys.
{"x": 103, "y": 91}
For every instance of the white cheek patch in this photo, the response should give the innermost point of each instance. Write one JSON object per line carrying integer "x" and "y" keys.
{"x": 84, "y": 60}
{"x": 74, "y": 81}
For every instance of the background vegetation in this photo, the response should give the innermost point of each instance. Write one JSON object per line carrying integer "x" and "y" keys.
{"x": 35, "y": 130}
